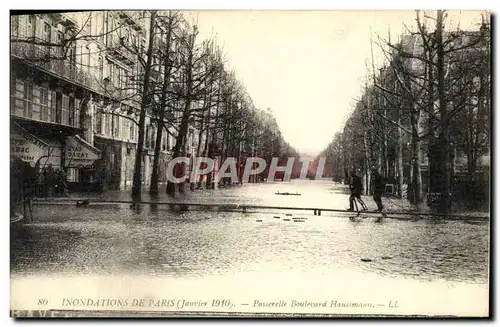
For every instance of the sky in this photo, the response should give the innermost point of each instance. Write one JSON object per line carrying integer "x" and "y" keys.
{"x": 308, "y": 67}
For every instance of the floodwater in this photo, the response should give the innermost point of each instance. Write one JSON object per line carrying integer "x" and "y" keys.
{"x": 274, "y": 249}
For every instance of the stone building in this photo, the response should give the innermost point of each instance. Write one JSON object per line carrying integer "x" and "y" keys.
{"x": 74, "y": 96}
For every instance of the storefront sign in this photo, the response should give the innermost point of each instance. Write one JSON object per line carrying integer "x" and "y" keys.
{"x": 31, "y": 149}
{"x": 77, "y": 151}
{"x": 25, "y": 150}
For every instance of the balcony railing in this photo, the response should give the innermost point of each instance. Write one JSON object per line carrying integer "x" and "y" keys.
{"x": 117, "y": 50}
{"x": 39, "y": 56}
{"x": 133, "y": 18}
{"x": 46, "y": 58}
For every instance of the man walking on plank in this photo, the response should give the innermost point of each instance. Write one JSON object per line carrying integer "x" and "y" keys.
{"x": 356, "y": 187}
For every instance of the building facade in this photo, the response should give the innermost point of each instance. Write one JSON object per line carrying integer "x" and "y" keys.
{"x": 75, "y": 96}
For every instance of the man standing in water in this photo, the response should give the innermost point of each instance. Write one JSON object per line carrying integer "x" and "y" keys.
{"x": 378, "y": 189}
{"x": 356, "y": 187}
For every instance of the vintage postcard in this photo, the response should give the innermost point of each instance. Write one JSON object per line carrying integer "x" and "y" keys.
{"x": 250, "y": 163}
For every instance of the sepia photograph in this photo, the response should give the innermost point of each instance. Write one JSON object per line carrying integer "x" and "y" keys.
{"x": 250, "y": 163}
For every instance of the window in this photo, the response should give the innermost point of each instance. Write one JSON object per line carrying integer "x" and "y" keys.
{"x": 107, "y": 124}
{"x": 153, "y": 138}
{"x": 119, "y": 77}
{"x": 19, "y": 98}
{"x": 102, "y": 24}
{"x": 58, "y": 107}
{"x": 140, "y": 78}
{"x": 45, "y": 36}
{"x": 76, "y": 121}
{"x": 190, "y": 138}
{"x": 45, "y": 104}
{"x": 65, "y": 110}
{"x": 87, "y": 59}
{"x": 12, "y": 98}
{"x": 88, "y": 27}
{"x": 100, "y": 68}
{"x": 59, "y": 40}
{"x": 116, "y": 126}
{"x": 79, "y": 56}
{"x": 46, "y": 32}
{"x": 170, "y": 143}
{"x": 36, "y": 101}
{"x": 30, "y": 26}
{"x": 93, "y": 19}
{"x": 110, "y": 67}
{"x": 147, "y": 137}
{"x": 143, "y": 45}
{"x": 15, "y": 25}
{"x": 28, "y": 95}
{"x": 72, "y": 56}
{"x": 132, "y": 130}
{"x": 134, "y": 41}
{"x": 71, "y": 174}
{"x": 71, "y": 119}
{"x": 98, "y": 123}
{"x": 123, "y": 128}
{"x": 52, "y": 106}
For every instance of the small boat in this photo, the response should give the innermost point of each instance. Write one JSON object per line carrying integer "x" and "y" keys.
{"x": 82, "y": 203}
{"x": 287, "y": 193}
{"x": 16, "y": 217}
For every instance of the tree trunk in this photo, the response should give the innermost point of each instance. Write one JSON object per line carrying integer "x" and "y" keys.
{"x": 444, "y": 141}
{"x": 179, "y": 148}
{"x": 198, "y": 149}
{"x": 399, "y": 159}
{"x": 205, "y": 144}
{"x": 416, "y": 180}
{"x": 137, "y": 179}
{"x": 153, "y": 188}
{"x": 367, "y": 163}
{"x": 180, "y": 141}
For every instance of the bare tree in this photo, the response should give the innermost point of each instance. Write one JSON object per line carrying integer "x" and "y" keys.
{"x": 171, "y": 24}
{"x": 145, "y": 101}
{"x": 192, "y": 87}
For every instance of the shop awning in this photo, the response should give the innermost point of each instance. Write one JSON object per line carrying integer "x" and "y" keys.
{"x": 88, "y": 146}
{"x": 30, "y": 148}
{"x": 79, "y": 151}
{"x": 30, "y": 137}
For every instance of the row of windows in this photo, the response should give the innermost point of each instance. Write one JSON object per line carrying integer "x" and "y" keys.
{"x": 150, "y": 140}
{"x": 32, "y": 25}
{"x": 35, "y": 102}
{"x": 121, "y": 82}
{"x": 90, "y": 59}
{"x": 122, "y": 128}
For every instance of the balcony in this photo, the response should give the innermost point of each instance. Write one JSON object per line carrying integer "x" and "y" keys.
{"x": 40, "y": 57}
{"x": 65, "y": 20}
{"x": 132, "y": 18}
{"x": 117, "y": 50}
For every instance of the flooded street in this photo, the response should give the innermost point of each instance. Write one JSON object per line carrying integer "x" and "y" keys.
{"x": 115, "y": 238}
{"x": 155, "y": 243}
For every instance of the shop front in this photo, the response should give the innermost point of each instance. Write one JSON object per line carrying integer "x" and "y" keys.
{"x": 79, "y": 159}
{"x": 41, "y": 155}
{"x": 33, "y": 150}
{"x": 65, "y": 164}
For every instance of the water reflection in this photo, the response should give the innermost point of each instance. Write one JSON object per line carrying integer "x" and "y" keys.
{"x": 154, "y": 240}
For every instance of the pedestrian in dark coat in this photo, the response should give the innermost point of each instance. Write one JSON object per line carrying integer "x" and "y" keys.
{"x": 356, "y": 187}
{"x": 378, "y": 189}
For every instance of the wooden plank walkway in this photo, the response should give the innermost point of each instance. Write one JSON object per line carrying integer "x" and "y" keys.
{"x": 244, "y": 207}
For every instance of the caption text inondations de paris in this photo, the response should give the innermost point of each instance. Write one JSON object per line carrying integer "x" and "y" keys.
{"x": 181, "y": 304}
